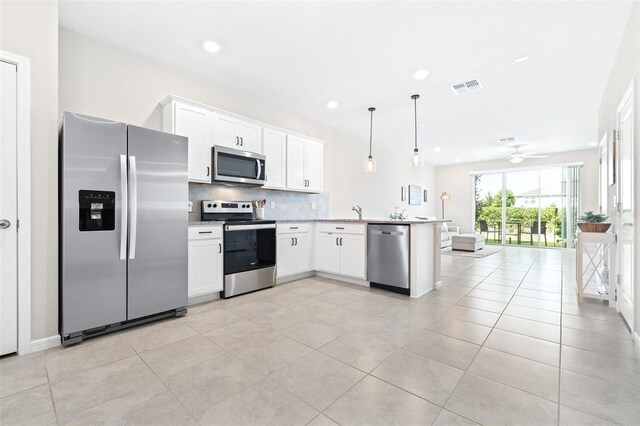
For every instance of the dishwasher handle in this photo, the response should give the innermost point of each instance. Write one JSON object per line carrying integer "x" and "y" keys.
{"x": 386, "y": 233}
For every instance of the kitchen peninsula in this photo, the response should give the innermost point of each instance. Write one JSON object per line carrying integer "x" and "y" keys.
{"x": 347, "y": 260}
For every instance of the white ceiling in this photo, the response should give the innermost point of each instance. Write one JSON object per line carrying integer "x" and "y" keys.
{"x": 300, "y": 55}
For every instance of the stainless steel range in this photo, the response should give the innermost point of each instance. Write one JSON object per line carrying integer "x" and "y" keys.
{"x": 249, "y": 246}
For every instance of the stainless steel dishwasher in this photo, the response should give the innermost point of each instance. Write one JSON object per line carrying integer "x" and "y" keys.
{"x": 388, "y": 257}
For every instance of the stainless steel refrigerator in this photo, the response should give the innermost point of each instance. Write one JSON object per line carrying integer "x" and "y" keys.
{"x": 123, "y": 226}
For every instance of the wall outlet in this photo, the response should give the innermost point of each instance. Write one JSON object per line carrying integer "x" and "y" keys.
{"x": 313, "y": 205}
{"x": 273, "y": 204}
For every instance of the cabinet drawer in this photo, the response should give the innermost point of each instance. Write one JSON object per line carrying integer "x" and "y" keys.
{"x": 205, "y": 232}
{"x": 292, "y": 228}
{"x": 342, "y": 228}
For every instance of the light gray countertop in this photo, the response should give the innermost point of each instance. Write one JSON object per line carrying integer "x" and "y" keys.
{"x": 367, "y": 220}
{"x": 363, "y": 221}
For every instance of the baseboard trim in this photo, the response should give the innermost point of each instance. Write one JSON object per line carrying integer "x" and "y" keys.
{"x": 343, "y": 278}
{"x": 423, "y": 293}
{"x": 46, "y": 343}
{"x": 294, "y": 277}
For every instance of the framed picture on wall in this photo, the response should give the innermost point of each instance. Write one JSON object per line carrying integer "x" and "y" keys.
{"x": 611, "y": 156}
{"x": 415, "y": 195}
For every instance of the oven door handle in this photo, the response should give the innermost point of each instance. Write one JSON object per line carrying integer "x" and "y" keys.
{"x": 231, "y": 228}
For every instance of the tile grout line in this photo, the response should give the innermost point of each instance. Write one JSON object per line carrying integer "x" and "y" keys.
{"x": 482, "y": 346}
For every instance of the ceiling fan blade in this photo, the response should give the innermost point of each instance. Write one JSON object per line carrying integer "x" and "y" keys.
{"x": 535, "y": 156}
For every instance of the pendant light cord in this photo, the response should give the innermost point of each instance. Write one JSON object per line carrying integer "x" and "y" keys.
{"x": 415, "y": 113}
{"x": 371, "y": 130}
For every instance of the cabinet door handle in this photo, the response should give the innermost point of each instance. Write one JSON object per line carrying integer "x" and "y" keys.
{"x": 219, "y": 247}
{"x": 296, "y": 238}
{"x": 292, "y": 241}
{"x": 237, "y": 140}
{"x": 337, "y": 241}
{"x": 340, "y": 241}
{"x": 339, "y": 227}
{"x": 208, "y": 170}
{"x": 293, "y": 227}
{"x": 241, "y": 141}
{"x": 205, "y": 232}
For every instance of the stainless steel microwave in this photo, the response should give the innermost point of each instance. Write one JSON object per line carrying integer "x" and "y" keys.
{"x": 235, "y": 166}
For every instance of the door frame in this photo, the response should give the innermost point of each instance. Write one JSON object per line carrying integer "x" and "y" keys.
{"x": 23, "y": 163}
{"x": 629, "y": 94}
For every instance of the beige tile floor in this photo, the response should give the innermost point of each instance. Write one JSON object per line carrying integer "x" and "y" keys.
{"x": 503, "y": 341}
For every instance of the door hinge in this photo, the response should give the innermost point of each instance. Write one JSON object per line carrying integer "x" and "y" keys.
{"x": 17, "y": 223}
{"x": 618, "y": 279}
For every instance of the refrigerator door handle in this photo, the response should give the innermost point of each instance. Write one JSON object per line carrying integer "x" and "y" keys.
{"x": 123, "y": 207}
{"x": 133, "y": 181}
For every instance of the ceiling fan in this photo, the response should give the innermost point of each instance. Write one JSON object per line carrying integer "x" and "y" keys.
{"x": 517, "y": 157}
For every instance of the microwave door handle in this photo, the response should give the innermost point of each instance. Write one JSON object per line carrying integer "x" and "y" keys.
{"x": 134, "y": 207}
{"x": 259, "y": 168}
{"x": 124, "y": 207}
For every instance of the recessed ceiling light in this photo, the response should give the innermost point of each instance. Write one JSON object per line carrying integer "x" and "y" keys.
{"x": 458, "y": 160}
{"x": 421, "y": 74}
{"x": 332, "y": 104}
{"x": 437, "y": 149}
{"x": 211, "y": 46}
{"x": 521, "y": 59}
{"x": 594, "y": 143}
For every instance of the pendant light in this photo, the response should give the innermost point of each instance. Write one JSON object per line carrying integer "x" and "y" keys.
{"x": 369, "y": 163}
{"x": 417, "y": 159}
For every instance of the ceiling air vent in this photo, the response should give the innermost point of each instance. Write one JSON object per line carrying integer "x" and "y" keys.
{"x": 467, "y": 86}
{"x": 508, "y": 140}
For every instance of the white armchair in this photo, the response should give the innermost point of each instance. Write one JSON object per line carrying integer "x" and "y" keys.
{"x": 447, "y": 231}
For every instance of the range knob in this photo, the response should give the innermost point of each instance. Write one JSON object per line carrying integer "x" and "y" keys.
{"x": 209, "y": 205}
{"x": 214, "y": 206}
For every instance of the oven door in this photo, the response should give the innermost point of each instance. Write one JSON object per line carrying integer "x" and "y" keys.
{"x": 249, "y": 247}
{"x": 235, "y": 166}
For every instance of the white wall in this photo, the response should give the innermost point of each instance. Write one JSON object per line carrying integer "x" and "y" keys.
{"x": 30, "y": 29}
{"x": 103, "y": 81}
{"x": 457, "y": 182}
{"x": 626, "y": 68}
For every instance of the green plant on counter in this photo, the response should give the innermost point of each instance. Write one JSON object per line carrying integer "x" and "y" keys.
{"x": 591, "y": 217}
{"x": 398, "y": 215}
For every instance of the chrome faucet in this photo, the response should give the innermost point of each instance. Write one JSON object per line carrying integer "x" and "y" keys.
{"x": 358, "y": 210}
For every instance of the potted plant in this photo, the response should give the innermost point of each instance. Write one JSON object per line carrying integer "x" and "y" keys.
{"x": 593, "y": 222}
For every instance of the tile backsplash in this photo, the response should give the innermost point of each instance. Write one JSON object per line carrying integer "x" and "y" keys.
{"x": 287, "y": 204}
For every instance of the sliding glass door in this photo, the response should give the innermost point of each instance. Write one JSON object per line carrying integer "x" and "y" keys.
{"x": 532, "y": 207}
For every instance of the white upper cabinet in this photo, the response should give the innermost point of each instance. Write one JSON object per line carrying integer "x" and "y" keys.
{"x": 237, "y": 134}
{"x": 293, "y": 162}
{"x": 313, "y": 165}
{"x": 250, "y": 137}
{"x": 304, "y": 164}
{"x": 224, "y": 132}
{"x": 274, "y": 147}
{"x": 197, "y": 125}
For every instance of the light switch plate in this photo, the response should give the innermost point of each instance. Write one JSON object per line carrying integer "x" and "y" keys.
{"x": 273, "y": 204}
{"x": 313, "y": 205}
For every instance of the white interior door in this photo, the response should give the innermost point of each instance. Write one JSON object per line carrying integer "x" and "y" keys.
{"x": 626, "y": 211}
{"x": 8, "y": 210}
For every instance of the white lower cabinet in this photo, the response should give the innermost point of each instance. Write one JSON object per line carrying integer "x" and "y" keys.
{"x": 206, "y": 261}
{"x": 341, "y": 249}
{"x": 293, "y": 250}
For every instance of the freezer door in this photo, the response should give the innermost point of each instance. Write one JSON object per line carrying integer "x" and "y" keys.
{"x": 158, "y": 222}
{"x": 93, "y": 270}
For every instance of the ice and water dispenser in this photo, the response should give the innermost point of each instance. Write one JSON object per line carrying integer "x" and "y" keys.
{"x": 97, "y": 210}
